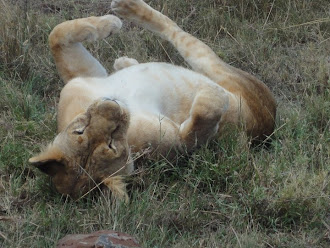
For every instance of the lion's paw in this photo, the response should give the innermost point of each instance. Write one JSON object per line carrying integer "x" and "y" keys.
{"x": 106, "y": 25}
{"x": 85, "y": 29}
{"x": 124, "y": 62}
{"x": 128, "y": 8}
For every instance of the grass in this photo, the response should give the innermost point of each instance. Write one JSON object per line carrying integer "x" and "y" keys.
{"x": 226, "y": 194}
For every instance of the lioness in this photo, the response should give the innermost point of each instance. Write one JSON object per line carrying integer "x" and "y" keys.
{"x": 103, "y": 118}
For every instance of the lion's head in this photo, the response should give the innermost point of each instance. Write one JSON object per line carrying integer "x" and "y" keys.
{"x": 92, "y": 148}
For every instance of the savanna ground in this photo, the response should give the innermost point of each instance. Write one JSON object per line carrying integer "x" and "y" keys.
{"x": 227, "y": 194}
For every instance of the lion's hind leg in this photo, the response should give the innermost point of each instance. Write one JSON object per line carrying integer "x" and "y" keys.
{"x": 199, "y": 56}
{"x": 205, "y": 117}
{"x": 71, "y": 58}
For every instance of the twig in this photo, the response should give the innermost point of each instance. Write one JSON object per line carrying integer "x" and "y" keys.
{"x": 97, "y": 185}
{"x": 6, "y": 218}
{"x": 3, "y": 236}
{"x": 309, "y": 23}
{"x": 325, "y": 40}
{"x": 231, "y": 36}
{"x": 239, "y": 242}
{"x": 270, "y": 11}
{"x": 189, "y": 15}
{"x": 276, "y": 130}
{"x": 165, "y": 51}
{"x": 303, "y": 24}
{"x": 326, "y": 225}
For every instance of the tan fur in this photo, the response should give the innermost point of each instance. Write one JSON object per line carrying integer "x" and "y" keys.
{"x": 257, "y": 101}
{"x": 155, "y": 106}
{"x": 117, "y": 187}
{"x": 124, "y": 62}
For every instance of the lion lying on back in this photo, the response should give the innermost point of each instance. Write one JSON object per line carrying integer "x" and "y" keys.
{"x": 103, "y": 119}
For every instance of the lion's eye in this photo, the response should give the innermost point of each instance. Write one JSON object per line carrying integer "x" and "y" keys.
{"x": 112, "y": 145}
{"x": 79, "y": 131}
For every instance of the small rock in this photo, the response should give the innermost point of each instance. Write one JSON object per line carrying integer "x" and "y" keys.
{"x": 99, "y": 239}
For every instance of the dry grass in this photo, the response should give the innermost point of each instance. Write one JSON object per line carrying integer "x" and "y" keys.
{"x": 225, "y": 195}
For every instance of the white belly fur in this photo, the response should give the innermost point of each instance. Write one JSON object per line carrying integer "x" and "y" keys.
{"x": 154, "y": 88}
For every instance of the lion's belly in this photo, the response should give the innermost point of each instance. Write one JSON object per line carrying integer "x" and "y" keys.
{"x": 156, "y": 88}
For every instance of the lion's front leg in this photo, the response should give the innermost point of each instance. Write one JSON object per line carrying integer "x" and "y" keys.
{"x": 71, "y": 58}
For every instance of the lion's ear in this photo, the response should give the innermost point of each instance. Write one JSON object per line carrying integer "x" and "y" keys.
{"x": 49, "y": 161}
